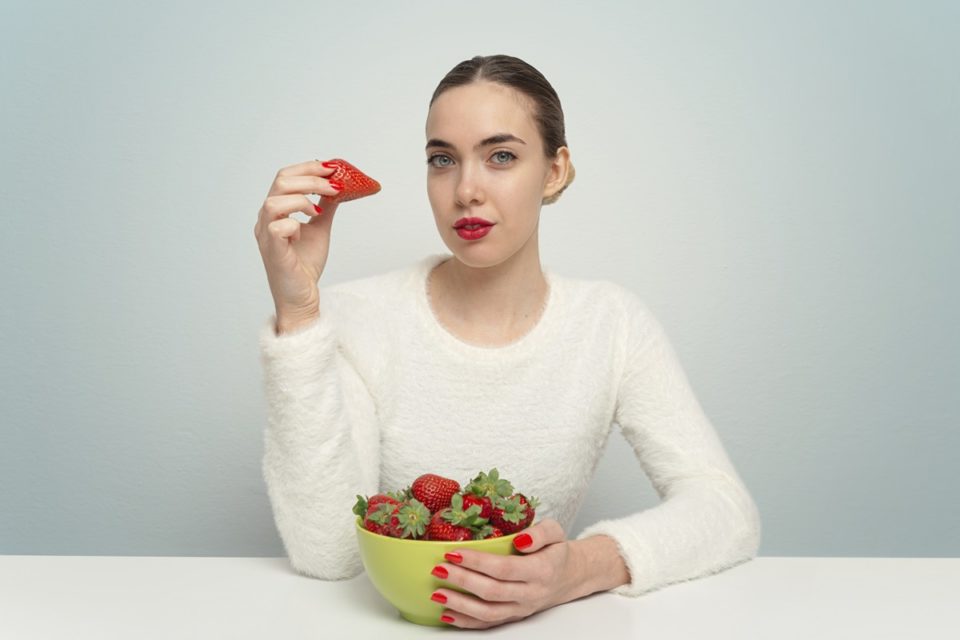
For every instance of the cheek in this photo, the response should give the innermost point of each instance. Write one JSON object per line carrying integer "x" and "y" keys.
{"x": 432, "y": 190}
{"x": 527, "y": 190}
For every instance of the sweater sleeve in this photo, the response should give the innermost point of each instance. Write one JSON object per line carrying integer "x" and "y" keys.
{"x": 707, "y": 521}
{"x": 321, "y": 447}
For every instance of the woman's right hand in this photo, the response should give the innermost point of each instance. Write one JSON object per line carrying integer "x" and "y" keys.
{"x": 294, "y": 253}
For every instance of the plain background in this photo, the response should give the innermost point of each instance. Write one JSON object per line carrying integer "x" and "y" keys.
{"x": 778, "y": 181}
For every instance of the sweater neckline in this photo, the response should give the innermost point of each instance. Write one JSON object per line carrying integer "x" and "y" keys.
{"x": 521, "y": 345}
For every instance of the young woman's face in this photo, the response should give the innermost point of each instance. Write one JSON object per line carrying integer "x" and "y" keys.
{"x": 485, "y": 160}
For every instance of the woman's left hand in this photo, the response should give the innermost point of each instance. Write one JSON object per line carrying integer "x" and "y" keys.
{"x": 510, "y": 588}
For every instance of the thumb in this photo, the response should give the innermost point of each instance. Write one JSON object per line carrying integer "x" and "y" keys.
{"x": 546, "y": 532}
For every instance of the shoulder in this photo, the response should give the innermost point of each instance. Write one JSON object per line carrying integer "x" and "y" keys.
{"x": 605, "y": 296}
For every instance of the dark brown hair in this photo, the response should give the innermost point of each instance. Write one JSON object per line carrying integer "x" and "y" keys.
{"x": 515, "y": 73}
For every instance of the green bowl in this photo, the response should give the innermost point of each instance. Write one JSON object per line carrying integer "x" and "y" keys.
{"x": 400, "y": 569}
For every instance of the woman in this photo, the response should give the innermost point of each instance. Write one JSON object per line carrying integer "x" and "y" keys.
{"x": 479, "y": 359}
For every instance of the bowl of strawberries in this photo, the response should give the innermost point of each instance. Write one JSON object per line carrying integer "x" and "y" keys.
{"x": 404, "y": 534}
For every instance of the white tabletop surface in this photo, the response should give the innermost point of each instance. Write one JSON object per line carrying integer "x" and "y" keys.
{"x": 107, "y": 597}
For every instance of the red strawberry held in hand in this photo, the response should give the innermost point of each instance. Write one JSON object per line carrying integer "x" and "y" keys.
{"x": 356, "y": 184}
{"x": 434, "y": 491}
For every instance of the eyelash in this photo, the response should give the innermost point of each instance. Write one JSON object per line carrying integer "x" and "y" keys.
{"x": 443, "y": 155}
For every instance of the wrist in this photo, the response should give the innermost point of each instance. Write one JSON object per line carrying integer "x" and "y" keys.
{"x": 288, "y": 322}
{"x": 600, "y": 565}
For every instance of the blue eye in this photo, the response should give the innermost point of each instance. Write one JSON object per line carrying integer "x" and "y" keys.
{"x": 509, "y": 155}
{"x": 435, "y": 156}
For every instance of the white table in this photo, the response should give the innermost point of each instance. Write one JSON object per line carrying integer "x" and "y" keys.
{"x": 104, "y": 597}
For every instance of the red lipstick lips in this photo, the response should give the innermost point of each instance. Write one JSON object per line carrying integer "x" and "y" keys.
{"x": 472, "y": 228}
{"x": 463, "y": 222}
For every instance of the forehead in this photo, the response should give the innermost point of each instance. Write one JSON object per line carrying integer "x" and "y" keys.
{"x": 466, "y": 114}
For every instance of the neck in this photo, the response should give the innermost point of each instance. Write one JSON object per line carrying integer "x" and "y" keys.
{"x": 499, "y": 297}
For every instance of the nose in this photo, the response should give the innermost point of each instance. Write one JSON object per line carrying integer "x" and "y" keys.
{"x": 469, "y": 189}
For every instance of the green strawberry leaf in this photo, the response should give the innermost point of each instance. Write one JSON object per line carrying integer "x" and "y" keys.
{"x": 414, "y": 517}
{"x": 360, "y": 508}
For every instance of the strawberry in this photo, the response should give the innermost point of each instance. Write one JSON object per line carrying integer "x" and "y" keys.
{"x": 384, "y": 519}
{"x": 456, "y": 522}
{"x": 381, "y": 498}
{"x": 490, "y": 485}
{"x": 356, "y": 184}
{"x": 531, "y": 504}
{"x": 440, "y": 528}
{"x": 488, "y": 531}
{"x": 365, "y": 508}
{"x": 434, "y": 491}
{"x": 514, "y": 513}
{"x": 406, "y": 519}
{"x": 486, "y": 506}
{"x": 414, "y": 518}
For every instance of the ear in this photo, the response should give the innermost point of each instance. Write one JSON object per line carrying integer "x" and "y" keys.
{"x": 557, "y": 175}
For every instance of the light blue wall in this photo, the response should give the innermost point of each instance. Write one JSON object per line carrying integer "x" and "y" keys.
{"x": 779, "y": 181}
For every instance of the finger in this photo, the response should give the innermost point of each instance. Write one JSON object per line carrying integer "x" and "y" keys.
{"x": 462, "y": 619}
{"x": 308, "y": 168}
{"x": 277, "y": 207}
{"x": 509, "y": 568}
{"x": 482, "y": 585}
{"x": 282, "y": 232}
{"x": 547, "y": 531}
{"x": 302, "y": 184}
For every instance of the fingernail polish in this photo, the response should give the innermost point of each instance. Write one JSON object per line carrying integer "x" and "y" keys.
{"x": 439, "y": 597}
{"x": 453, "y": 557}
{"x": 522, "y": 541}
{"x": 336, "y": 184}
{"x": 329, "y": 165}
{"x": 440, "y": 572}
{"x": 317, "y": 207}
{"x": 446, "y": 618}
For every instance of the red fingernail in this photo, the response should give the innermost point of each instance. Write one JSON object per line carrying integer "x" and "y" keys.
{"x": 317, "y": 207}
{"x": 440, "y": 572}
{"x": 439, "y": 597}
{"x": 453, "y": 557}
{"x": 329, "y": 165}
{"x": 522, "y": 541}
{"x": 446, "y": 618}
{"x": 336, "y": 184}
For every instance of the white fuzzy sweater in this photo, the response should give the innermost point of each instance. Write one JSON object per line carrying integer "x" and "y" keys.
{"x": 376, "y": 392}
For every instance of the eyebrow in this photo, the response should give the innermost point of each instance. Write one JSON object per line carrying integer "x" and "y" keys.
{"x": 494, "y": 139}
